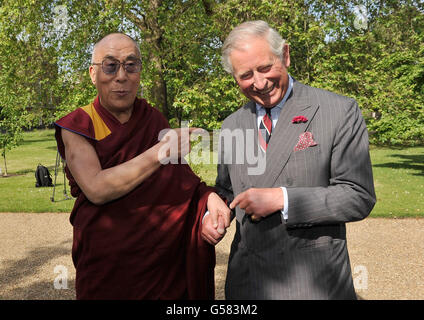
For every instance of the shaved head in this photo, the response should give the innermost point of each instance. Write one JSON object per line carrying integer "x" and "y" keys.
{"x": 112, "y": 38}
{"x": 117, "y": 91}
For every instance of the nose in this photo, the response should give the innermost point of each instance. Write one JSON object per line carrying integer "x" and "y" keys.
{"x": 259, "y": 81}
{"x": 121, "y": 74}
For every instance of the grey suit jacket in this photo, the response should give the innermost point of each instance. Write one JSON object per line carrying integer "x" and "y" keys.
{"x": 328, "y": 185}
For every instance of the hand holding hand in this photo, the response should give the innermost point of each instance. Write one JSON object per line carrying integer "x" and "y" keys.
{"x": 215, "y": 224}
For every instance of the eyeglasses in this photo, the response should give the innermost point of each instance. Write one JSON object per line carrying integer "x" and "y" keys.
{"x": 111, "y": 66}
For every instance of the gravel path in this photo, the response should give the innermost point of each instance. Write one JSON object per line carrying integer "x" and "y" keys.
{"x": 387, "y": 257}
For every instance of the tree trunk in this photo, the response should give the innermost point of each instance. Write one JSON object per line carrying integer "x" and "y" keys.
{"x": 150, "y": 25}
{"x": 5, "y": 166}
{"x": 159, "y": 92}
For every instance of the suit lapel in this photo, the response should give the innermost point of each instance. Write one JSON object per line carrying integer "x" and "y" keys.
{"x": 285, "y": 136}
{"x": 247, "y": 122}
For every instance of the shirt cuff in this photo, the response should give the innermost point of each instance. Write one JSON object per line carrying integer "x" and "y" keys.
{"x": 285, "y": 210}
{"x": 204, "y": 216}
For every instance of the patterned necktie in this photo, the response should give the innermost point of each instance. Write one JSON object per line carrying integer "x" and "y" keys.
{"x": 265, "y": 129}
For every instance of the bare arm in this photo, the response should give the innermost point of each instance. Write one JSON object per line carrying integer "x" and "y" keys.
{"x": 101, "y": 186}
{"x": 104, "y": 185}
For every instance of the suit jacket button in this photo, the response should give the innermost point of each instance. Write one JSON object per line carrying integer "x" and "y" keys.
{"x": 289, "y": 181}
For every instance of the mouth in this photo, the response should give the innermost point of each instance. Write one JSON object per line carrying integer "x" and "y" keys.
{"x": 267, "y": 91}
{"x": 120, "y": 93}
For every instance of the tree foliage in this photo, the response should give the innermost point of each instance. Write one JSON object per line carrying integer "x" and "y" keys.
{"x": 372, "y": 51}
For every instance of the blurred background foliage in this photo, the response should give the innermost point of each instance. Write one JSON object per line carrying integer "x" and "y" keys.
{"x": 372, "y": 51}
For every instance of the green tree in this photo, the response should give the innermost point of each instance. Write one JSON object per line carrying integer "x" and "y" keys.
{"x": 381, "y": 66}
{"x": 11, "y": 125}
{"x": 369, "y": 50}
{"x": 27, "y": 71}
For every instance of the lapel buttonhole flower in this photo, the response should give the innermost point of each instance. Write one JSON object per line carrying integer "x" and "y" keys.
{"x": 299, "y": 119}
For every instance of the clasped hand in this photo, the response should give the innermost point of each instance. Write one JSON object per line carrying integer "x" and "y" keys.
{"x": 217, "y": 221}
{"x": 257, "y": 202}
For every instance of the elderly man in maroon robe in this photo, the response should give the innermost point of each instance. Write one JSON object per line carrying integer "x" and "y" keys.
{"x": 138, "y": 229}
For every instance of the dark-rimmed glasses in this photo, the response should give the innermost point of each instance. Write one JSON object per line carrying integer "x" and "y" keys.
{"x": 111, "y": 66}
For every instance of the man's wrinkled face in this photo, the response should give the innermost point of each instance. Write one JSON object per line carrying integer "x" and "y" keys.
{"x": 261, "y": 75}
{"x": 117, "y": 91}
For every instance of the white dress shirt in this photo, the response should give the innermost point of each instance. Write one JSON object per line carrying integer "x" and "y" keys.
{"x": 275, "y": 113}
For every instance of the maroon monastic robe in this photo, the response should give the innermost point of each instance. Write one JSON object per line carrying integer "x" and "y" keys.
{"x": 146, "y": 244}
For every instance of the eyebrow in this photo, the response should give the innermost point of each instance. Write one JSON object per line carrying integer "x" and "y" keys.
{"x": 244, "y": 74}
{"x": 263, "y": 66}
{"x": 130, "y": 57}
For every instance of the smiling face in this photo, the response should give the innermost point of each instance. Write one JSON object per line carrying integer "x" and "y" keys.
{"x": 261, "y": 75}
{"x": 117, "y": 92}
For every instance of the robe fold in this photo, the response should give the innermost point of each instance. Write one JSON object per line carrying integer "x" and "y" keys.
{"x": 146, "y": 244}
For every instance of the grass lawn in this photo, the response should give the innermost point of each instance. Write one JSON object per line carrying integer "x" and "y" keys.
{"x": 398, "y": 177}
{"x": 17, "y": 191}
{"x": 399, "y": 181}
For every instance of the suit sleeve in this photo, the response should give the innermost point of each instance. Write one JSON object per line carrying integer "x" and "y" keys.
{"x": 350, "y": 195}
{"x": 223, "y": 184}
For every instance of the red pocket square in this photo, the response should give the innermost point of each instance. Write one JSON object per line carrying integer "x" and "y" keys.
{"x": 306, "y": 140}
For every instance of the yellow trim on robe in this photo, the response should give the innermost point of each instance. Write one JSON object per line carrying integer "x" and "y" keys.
{"x": 101, "y": 130}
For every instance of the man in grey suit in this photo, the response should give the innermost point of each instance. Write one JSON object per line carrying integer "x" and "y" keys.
{"x": 290, "y": 240}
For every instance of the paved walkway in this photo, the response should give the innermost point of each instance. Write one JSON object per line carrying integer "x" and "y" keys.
{"x": 387, "y": 257}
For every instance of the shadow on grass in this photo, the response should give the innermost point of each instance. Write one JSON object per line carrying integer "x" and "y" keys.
{"x": 11, "y": 175}
{"x": 410, "y": 162}
{"x": 23, "y": 172}
{"x": 32, "y": 141}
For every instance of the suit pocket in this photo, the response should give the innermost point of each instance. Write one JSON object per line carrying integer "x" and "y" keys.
{"x": 304, "y": 166}
{"x": 310, "y": 152}
{"x": 321, "y": 242}
{"x": 311, "y": 267}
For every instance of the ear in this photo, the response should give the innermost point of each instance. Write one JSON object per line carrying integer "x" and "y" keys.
{"x": 92, "y": 72}
{"x": 286, "y": 55}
